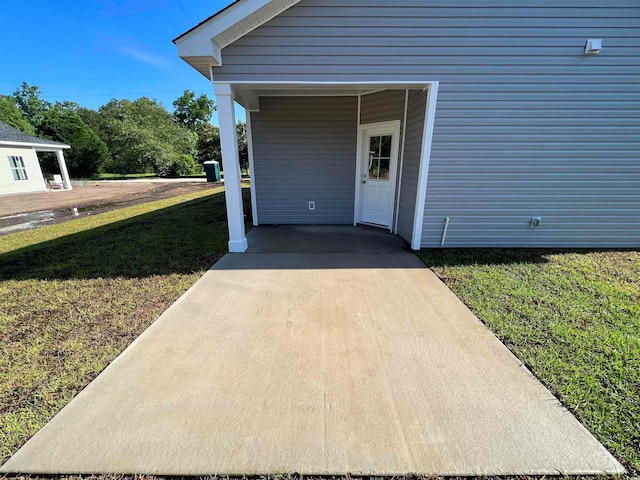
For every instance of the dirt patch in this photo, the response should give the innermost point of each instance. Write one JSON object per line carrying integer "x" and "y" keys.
{"x": 92, "y": 194}
{"x": 32, "y": 210}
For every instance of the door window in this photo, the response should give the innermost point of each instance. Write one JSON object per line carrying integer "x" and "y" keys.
{"x": 379, "y": 157}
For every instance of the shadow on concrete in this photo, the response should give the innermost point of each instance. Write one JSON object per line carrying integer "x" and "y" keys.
{"x": 324, "y": 239}
{"x": 321, "y": 247}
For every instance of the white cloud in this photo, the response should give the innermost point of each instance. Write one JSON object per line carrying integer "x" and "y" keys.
{"x": 146, "y": 57}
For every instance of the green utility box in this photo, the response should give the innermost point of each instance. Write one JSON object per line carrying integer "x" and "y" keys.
{"x": 212, "y": 169}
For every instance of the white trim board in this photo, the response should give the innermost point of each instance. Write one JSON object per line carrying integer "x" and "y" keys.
{"x": 425, "y": 158}
{"x": 380, "y": 84}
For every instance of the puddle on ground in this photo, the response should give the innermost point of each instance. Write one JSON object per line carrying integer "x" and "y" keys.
{"x": 27, "y": 221}
{"x": 93, "y": 208}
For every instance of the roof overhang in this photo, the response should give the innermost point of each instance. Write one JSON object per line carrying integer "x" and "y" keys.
{"x": 41, "y": 147}
{"x": 201, "y": 46}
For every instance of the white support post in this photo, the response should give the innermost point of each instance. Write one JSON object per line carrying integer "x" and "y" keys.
{"x": 66, "y": 181}
{"x": 425, "y": 158}
{"x": 231, "y": 166}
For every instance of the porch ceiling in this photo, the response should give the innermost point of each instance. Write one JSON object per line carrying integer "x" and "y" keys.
{"x": 248, "y": 94}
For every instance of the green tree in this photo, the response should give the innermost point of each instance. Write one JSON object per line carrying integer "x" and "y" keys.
{"x": 243, "y": 151}
{"x": 27, "y": 97}
{"x": 143, "y": 137}
{"x": 88, "y": 154}
{"x": 208, "y": 145}
{"x": 91, "y": 118}
{"x": 192, "y": 112}
{"x": 12, "y": 115}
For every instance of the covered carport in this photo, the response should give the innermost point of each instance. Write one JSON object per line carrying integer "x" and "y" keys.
{"x": 290, "y": 125}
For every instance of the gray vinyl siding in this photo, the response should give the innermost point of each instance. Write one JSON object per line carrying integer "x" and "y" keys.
{"x": 526, "y": 124}
{"x": 411, "y": 165}
{"x": 570, "y": 157}
{"x": 304, "y": 150}
{"x": 382, "y": 107}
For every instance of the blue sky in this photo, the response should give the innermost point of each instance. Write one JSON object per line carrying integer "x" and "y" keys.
{"x": 94, "y": 50}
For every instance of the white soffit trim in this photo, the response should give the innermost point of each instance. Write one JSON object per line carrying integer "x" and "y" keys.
{"x": 206, "y": 41}
{"x": 36, "y": 146}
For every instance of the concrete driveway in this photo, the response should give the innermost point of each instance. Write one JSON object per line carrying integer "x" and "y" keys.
{"x": 320, "y": 363}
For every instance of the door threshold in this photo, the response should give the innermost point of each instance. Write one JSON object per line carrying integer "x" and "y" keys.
{"x": 376, "y": 225}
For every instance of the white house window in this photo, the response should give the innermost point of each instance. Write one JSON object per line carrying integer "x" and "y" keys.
{"x": 18, "y": 168}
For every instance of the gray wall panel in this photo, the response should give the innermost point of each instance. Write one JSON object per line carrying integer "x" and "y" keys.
{"x": 412, "y": 151}
{"x": 382, "y": 106}
{"x": 304, "y": 150}
{"x": 526, "y": 124}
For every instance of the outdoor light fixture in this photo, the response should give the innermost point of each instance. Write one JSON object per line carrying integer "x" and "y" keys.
{"x": 593, "y": 47}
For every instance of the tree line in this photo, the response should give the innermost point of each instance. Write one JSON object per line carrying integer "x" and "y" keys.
{"x": 123, "y": 136}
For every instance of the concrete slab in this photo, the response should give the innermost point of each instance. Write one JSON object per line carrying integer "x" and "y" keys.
{"x": 320, "y": 364}
{"x": 323, "y": 239}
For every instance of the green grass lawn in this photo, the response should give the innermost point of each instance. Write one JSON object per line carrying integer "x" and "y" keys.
{"x": 75, "y": 294}
{"x": 573, "y": 318}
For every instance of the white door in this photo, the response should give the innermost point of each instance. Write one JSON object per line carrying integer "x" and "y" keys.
{"x": 377, "y": 173}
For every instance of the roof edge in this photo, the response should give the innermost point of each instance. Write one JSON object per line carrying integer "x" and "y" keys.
{"x": 230, "y": 24}
{"x": 206, "y": 20}
{"x": 12, "y": 136}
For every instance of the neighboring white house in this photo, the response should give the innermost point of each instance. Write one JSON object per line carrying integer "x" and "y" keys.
{"x": 20, "y": 170}
{"x": 456, "y": 123}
